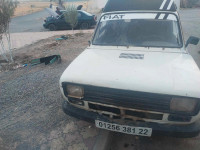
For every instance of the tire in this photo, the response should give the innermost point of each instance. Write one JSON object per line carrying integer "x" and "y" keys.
{"x": 52, "y": 27}
{"x": 84, "y": 25}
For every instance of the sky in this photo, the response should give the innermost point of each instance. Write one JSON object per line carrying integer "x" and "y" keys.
{"x": 101, "y": 3}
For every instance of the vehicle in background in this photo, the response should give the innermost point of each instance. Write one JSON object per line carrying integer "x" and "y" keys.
{"x": 57, "y": 22}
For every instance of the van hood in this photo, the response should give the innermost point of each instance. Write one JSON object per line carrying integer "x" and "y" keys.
{"x": 143, "y": 71}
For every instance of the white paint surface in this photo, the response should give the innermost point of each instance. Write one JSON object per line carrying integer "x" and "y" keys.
{"x": 159, "y": 72}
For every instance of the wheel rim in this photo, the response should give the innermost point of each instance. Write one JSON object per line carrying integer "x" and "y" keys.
{"x": 84, "y": 26}
{"x": 52, "y": 27}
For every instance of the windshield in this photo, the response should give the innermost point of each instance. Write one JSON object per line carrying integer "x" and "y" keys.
{"x": 88, "y": 14}
{"x": 141, "y": 30}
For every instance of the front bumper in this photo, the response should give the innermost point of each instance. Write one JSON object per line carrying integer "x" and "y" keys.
{"x": 184, "y": 131}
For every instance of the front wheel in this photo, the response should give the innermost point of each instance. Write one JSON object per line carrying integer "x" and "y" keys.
{"x": 52, "y": 27}
{"x": 85, "y": 25}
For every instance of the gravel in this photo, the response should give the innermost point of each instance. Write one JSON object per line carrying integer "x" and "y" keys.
{"x": 30, "y": 99}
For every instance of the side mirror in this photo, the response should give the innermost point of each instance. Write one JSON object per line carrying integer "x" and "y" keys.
{"x": 192, "y": 40}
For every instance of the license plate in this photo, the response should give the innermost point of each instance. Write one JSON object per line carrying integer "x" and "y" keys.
{"x": 123, "y": 128}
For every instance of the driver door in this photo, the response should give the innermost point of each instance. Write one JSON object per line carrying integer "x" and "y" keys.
{"x": 61, "y": 23}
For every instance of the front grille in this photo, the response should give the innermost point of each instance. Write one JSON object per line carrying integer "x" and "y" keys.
{"x": 128, "y": 99}
{"x": 116, "y": 113}
{"x": 179, "y": 118}
{"x": 144, "y": 115}
{"x": 104, "y": 108}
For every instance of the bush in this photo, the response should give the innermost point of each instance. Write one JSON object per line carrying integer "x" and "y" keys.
{"x": 7, "y": 8}
{"x": 71, "y": 16}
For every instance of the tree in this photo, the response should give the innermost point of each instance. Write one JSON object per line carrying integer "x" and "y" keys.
{"x": 192, "y": 3}
{"x": 71, "y": 16}
{"x": 7, "y": 8}
{"x": 60, "y": 3}
{"x": 188, "y": 3}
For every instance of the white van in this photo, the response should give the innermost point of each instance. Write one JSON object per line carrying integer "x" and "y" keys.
{"x": 137, "y": 76}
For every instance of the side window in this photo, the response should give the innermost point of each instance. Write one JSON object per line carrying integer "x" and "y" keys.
{"x": 79, "y": 15}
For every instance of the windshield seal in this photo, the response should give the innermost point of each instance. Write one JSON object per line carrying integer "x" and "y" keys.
{"x": 110, "y": 13}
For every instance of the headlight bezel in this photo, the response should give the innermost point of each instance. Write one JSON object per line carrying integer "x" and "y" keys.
{"x": 195, "y": 110}
{"x": 75, "y": 91}
{"x": 69, "y": 95}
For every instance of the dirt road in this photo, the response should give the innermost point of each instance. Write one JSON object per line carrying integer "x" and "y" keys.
{"x": 29, "y": 23}
{"x": 31, "y": 117}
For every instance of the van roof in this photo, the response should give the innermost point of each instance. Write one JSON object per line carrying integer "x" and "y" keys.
{"x": 127, "y": 5}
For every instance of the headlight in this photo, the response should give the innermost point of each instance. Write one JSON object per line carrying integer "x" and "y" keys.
{"x": 183, "y": 104}
{"x": 75, "y": 91}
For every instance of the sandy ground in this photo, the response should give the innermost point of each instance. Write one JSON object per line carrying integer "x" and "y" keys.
{"x": 23, "y": 56}
{"x": 25, "y": 8}
{"x": 31, "y": 117}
